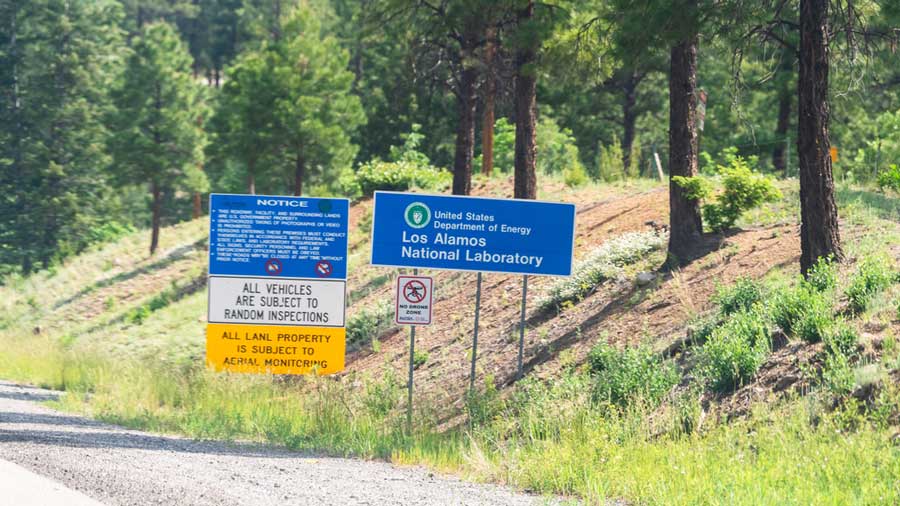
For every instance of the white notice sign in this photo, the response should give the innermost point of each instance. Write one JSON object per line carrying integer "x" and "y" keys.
{"x": 275, "y": 301}
{"x": 414, "y": 300}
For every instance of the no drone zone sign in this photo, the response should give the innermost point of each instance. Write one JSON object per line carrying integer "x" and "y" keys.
{"x": 414, "y": 296}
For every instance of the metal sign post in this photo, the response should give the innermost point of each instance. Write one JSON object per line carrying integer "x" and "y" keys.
{"x": 522, "y": 326}
{"x": 414, "y": 303}
{"x": 475, "y": 333}
{"x": 412, "y": 355}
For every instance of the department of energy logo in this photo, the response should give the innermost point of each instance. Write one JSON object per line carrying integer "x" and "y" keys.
{"x": 417, "y": 215}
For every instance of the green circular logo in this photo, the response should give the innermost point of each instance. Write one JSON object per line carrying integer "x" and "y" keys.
{"x": 417, "y": 215}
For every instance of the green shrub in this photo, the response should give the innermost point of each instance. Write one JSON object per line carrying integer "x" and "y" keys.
{"x": 837, "y": 374}
{"x": 823, "y": 275}
{"x": 741, "y": 296}
{"x": 575, "y": 176}
{"x": 610, "y": 161}
{"x": 482, "y": 407}
{"x": 394, "y": 176}
{"x": 695, "y": 188}
{"x": 742, "y": 189}
{"x": 109, "y": 232}
{"x": 623, "y": 377}
{"x": 872, "y": 275}
{"x": 381, "y": 397}
{"x": 735, "y": 350}
{"x": 420, "y": 358}
{"x": 558, "y": 150}
{"x": 840, "y": 338}
{"x": 890, "y": 178}
{"x": 138, "y": 315}
{"x": 801, "y": 311}
{"x": 368, "y": 323}
{"x": 816, "y": 320}
{"x": 409, "y": 150}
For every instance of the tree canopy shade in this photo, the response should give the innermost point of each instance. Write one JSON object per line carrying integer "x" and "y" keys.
{"x": 159, "y": 110}
{"x": 56, "y": 63}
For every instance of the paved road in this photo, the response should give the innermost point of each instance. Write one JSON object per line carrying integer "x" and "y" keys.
{"x": 116, "y": 466}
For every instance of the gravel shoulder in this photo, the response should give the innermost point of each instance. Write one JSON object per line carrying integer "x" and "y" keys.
{"x": 117, "y": 466}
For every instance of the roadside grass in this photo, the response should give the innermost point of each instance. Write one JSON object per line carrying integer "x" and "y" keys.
{"x": 552, "y": 438}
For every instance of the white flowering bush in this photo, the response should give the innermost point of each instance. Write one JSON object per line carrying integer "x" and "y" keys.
{"x": 606, "y": 262}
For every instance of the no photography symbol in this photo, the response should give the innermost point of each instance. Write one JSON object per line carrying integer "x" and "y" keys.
{"x": 273, "y": 266}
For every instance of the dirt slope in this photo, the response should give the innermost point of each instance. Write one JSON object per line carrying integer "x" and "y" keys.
{"x": 618, "y": 312}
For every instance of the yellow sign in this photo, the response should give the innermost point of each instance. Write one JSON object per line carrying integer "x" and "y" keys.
{"x": 275, "y": 349}
{"x": 834, "y": 154}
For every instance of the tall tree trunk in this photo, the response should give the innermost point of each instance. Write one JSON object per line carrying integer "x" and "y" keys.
{"x": 785, "y": 103}
{"x": 490, "y": 89}
{"x": 465, "y": 128}
{"x": 526, "y": 110}
{"x": 781, "y": 130}
{"x": 819, "y": 234}
{"x": 685, "y": 225}
{"x": 299, "y": 169}
{"x": 22, "y": 201}
{"x": 629, "y": 116}
{"x": 156, "y": 209}
{"x": 198, "y": 206}
{"x": 251, "y": 177}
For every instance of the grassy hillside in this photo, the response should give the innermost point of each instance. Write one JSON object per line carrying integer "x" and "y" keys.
{"x": 726, "y": 382}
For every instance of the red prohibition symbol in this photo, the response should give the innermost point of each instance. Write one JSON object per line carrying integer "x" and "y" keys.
{"x": 273, "y": 267}
{"x": 324, "y": 269}
{"x": 414, "y": 291}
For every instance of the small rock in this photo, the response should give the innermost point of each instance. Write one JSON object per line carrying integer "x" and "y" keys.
{"x": 786, "y": 382}
{"x": 779, "y": 340}
{"x": 645, "y": 278}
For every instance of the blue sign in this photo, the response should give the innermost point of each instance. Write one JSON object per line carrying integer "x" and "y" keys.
{"x": 287, "y": 237}
{"x": 473, "y": 234}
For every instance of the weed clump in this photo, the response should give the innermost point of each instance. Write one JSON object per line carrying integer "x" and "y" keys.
{"x": 872, "y": 276}
{"x": 741, "y": 296}
{"x": 735, "y": 350}
{"x": 841, "y": 339}
{"x": 823, "y": 275}
{"x": 801, "y": 311}
{"x": 368, "y": 323}
{"x": 623, "y": 377}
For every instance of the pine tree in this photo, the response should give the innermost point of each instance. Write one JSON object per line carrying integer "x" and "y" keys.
{"x": 287, "y": 111}
{"x": 158, "y": 138}
{"x": 315, "y": 111}
{"x": 243, "y": 127}
{"x": 56, "y": 61}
